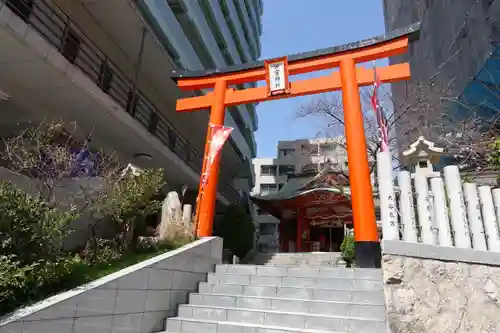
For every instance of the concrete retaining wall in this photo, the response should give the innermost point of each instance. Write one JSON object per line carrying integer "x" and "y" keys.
{"x": 439, "y": 289}
{"x": 136, "y": 299}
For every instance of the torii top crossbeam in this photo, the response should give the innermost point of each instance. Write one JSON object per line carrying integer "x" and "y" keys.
{"x": 390, "y": 44}
{"x": 276, "y": 73}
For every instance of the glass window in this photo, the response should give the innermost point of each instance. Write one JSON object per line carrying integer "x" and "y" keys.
{"x": 268, "y": 170}
{"x": 266, "y": 189}
{"x": 286, "y": 169}
{"x": 286, "y": 152}
{"x": 22, "y": 8}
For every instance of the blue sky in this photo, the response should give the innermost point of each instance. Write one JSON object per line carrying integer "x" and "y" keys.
{"x": 293, "y": 26}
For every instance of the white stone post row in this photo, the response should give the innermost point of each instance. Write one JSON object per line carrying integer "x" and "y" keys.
{"x": 474, "y": 215}
{"x": 489, "y": 218}
{"x": 406, "y": 207}
{"x": 388, "y": 212}
{"x": 425, "y": 210}
{"x": 441, "y": 212}
{"x": 457, "y": 207}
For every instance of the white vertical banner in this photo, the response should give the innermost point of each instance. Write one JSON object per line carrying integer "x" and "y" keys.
{"x": 407, "y": 208}
{"x": 489, "y": 218}
{"x": 425, "y": 210}
{"x": 388, "y": 213}
{"x": 441, "y": 212}
{"x": 458, "y": 215}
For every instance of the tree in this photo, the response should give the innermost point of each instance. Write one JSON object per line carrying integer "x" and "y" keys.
{"x": 329, "y": 108}
{"x": 66, "y": 172}
{"x": 237, "y": 230}
{"x": 430, "y": 109}
{"x": 50, "y": 155}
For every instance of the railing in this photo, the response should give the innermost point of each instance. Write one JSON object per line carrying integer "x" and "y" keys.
{"x": 438, "y": 209}
{"x": 58, "y": 29}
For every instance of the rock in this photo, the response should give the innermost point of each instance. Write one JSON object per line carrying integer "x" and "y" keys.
{"x": 432, "y": 296}
{"x": 171, "y": 212}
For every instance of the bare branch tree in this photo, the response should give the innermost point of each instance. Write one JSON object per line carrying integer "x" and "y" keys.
{"x": 49, "y": 154}
{"x": 429, "y": 108}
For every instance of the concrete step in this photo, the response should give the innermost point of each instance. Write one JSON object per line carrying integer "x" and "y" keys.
{"x": 306, "y": 258}
{"x": 294, "y": 271}
{"x": 278, "y": 318}
{"x": 288, "y": 281}
{"x": 329, "y": 294}
{"x": 345, "y": 309}
{"x": 190, "y": 325}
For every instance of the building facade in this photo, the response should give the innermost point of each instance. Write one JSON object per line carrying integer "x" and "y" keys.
{"x": 457, "y": 55}
{"x": 105, "y": 65}
{"x": 293, "y": 157}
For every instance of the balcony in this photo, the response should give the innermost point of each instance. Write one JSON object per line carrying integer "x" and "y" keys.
{"x": 49, "y": 64}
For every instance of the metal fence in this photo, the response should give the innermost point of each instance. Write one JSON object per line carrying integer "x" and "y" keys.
{"x": 65, "y": 35}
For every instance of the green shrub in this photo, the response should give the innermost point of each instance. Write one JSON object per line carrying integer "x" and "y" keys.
{"x": 348, "y": 249}
{"x": 33, "y": 264}
{"x": 237, "y": 230}
{"x": 21, "y": 284}
{"x": 30, "y": 229}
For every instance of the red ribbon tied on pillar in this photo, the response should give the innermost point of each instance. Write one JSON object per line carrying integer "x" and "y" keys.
{"x": 218, "y": 136}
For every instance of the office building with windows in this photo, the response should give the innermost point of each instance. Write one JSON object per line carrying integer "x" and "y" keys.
{"x": 105, "y": 65}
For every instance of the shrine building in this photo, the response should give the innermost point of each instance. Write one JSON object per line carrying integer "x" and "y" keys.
{"x": 314, "y": 210}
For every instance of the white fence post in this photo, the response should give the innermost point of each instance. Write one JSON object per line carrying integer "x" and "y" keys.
{"x": 388, "y": 215}
{"x": 496, "y": 202}
{"x": 474, "y": 214}
{"x": 457, "y": 207}
{"x": 406, "y": 207}
{"x": 489, "y": 218}
{"x": 424, "y": 210}
{"x": 441, "y": 212}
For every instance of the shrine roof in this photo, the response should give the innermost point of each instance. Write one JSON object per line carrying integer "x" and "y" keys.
{"x": 307, "y": 183}
{"x": 287, "y": 195}
{"x": 412, "y": 31}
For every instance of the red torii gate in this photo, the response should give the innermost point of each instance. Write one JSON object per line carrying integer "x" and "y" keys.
{"x": 276, "y": 72}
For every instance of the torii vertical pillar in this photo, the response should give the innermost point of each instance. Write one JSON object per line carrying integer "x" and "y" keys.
{"x": 275, "y": 72}
{"x": 206, "y": 208}
{"x": 363, "y": 207}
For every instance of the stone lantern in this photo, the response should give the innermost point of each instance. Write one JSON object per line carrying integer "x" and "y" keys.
{"x": 421, "y": 157}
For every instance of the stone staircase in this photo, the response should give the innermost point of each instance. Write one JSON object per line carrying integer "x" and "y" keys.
{"x": 298, "y": 259}
{"x": 284, "y": 299}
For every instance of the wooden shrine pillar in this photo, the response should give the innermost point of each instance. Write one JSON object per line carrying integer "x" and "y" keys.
{"x": 282, "y": 235}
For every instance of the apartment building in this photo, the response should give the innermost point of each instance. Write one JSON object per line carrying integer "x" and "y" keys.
{"x": 105, "y": 65}
{"x": 456, "y": 56}
{"x": 293, "y": 157}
